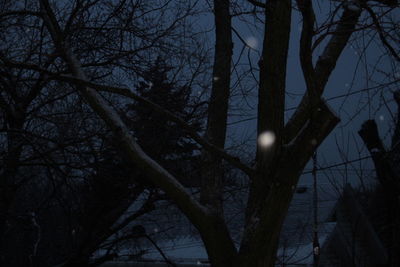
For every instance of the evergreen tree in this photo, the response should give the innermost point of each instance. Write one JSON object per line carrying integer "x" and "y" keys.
{"x": 162, "y": 139}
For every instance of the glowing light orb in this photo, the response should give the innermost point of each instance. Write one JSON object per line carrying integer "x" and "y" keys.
{"x": 252, "y": 42}
{"x": 266, "y": 139}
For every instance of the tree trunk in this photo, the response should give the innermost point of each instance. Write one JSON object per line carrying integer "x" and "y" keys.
{"x": 212, "y": 173}
{"x": 262, "y": 235}
{"x": 385, "y": 163}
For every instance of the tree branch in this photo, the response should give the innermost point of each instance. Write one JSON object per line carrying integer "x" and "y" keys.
{"x": 169, "y": 115}
{"x": 323, "y": 121}
{"x": 257, "y": 3}
{"x": 323, "y": 69}
{"x": 158, "y": 175}
{"x": 380, "y": 33}
{"x": 307, "y": 34}
{"x": 212, "y": 228}
{"x": 234, "y": 161}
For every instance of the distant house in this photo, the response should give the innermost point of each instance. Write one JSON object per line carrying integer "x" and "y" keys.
{"x": 354, "y": 241}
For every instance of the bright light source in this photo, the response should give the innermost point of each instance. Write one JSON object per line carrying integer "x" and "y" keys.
{"x": 252, "y": 42}
{"x": 266, "y": 139}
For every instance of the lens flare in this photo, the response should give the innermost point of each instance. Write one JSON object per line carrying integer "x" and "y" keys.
{"x": 266, "y": 139}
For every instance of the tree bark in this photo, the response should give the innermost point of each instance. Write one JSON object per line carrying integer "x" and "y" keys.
{"x": 212, "y": 173}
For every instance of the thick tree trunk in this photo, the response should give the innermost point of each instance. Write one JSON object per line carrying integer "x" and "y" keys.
{"x": 260, "y": 247}
{"x": 212, "y": 173}
{"x": 273, "y": 188}
{"x": 214, "y": 232}
{"x": 268, "y": 201}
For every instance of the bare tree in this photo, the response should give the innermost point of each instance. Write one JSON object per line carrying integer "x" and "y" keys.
{"x": 278, "y": 161}
{"x": 61, "y": 196}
